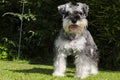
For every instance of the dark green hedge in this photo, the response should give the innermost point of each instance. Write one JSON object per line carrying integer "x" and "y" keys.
{"x": 42, "y": 23}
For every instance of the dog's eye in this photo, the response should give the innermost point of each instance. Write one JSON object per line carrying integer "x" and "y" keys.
{"x": 76, "y": 12}
{"x": 80, "y": 13}
{"x": 66, "y": 14}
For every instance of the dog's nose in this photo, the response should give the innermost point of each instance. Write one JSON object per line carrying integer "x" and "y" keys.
{"x": 74, "y": 20}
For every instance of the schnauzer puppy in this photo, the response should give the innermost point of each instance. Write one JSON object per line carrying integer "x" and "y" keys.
{"x": 74, "y": 39}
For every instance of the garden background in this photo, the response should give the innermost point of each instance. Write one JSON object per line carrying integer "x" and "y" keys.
{"x": 41, "y": 23}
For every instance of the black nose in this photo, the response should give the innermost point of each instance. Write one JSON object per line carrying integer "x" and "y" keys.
{"x": 74, "y": 20}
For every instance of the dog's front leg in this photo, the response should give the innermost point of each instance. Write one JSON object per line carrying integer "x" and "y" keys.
{"x": 82, "y": 67}
{"x": 59, "y": 64}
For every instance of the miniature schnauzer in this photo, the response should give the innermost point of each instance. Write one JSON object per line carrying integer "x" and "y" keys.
{"x": 74, "y": 39}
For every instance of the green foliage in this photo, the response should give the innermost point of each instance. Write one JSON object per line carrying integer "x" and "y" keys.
{"x": 42, "y": 23}
{"x": 29, "y": 16}
{"x": 3, "y": 52}
{"x": 7, "y": 51}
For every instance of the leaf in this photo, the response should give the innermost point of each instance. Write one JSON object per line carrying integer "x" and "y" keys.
{"x": 20, "y": 16}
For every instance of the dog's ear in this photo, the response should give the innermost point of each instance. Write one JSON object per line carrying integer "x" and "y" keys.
{"x": 85, "y": 9}
{"x": 61, "y": 9}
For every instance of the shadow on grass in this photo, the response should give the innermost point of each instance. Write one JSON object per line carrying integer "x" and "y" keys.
{"x": 42, "y": 71}
{"x": 35, "y": 70}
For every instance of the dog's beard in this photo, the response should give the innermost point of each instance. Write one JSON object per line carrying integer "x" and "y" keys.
{"x": 72, "y": 29}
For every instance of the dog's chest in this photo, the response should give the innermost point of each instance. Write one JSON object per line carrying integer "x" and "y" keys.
{"x": 74, "y": 45}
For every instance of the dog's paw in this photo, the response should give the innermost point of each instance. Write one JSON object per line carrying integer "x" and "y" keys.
{"x": 94, "y": 72}
{"x": 81, "y": 76}
{"x": 58, "y": 74}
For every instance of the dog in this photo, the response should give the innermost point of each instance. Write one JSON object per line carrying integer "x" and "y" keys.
{"x": 74, "y": 39}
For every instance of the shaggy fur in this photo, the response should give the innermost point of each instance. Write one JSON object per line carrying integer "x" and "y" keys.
{"x": 74, "y": 39}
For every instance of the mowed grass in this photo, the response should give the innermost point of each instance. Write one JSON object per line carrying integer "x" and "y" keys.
{"x": 19, "y": 70}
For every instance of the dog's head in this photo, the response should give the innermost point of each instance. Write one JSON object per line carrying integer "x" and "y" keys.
{"x": 74, "y": 17}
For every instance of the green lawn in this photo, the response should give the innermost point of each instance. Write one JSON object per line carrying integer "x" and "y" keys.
{"x": 17, "y": 70}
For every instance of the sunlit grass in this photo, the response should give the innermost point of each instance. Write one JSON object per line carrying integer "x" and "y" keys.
{"x": 22, "y": 70}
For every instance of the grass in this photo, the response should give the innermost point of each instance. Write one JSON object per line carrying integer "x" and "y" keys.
{"x": 18, "y": 70}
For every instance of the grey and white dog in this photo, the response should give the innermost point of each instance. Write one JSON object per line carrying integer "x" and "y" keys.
{"x": 74, "y": 39}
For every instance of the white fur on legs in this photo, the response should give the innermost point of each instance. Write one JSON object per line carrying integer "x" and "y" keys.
{"x": 94, "y": 69}
{"x": 82, "y": 67}
{"x": 81, "y": 72}
{"x": 59, "y": 65}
